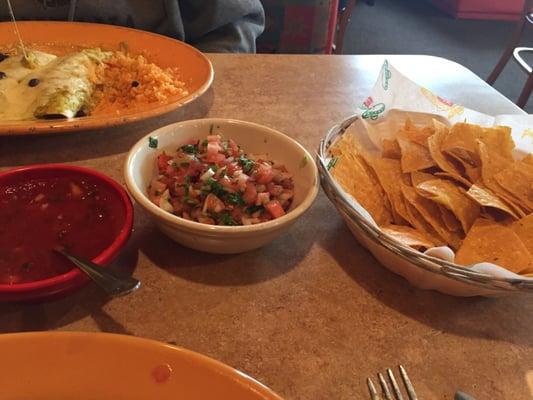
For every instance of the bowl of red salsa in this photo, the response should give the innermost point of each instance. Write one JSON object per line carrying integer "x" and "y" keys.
{"x": 51, "y": 206}
{"x": 221, "y": 185}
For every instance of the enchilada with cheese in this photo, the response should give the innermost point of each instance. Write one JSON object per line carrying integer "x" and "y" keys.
{"x": 40, "y": 85}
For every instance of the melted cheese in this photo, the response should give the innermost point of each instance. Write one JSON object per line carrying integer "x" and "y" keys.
{"x": 64, "y": 85}
{"x": 16, "y": 96}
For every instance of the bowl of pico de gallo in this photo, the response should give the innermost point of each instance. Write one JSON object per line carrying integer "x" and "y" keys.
{"x": 221, "y": 185}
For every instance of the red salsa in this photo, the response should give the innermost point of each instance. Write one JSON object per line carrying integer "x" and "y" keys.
{"x": 76, "y": 213}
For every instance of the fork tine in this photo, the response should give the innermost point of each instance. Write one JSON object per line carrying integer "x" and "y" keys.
{"x": 372, "y": 389}
{"x": 384, "y": 387}
{"x": 408, "y": 385}
{"x": 395, "y": 386}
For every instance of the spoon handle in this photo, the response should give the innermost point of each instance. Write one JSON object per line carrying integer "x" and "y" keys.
{"x": 112, "y": 284}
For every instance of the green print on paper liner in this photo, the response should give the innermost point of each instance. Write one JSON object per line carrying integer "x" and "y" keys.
{"x": 373, "y": 111}
{"x": 385, "y": 76}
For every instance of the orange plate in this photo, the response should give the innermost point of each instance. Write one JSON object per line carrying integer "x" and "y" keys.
{"x": 195, "y": 69}
{"x": 101, "y": 366}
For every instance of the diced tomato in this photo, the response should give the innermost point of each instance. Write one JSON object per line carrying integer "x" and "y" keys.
{"x": 275, "y": 209}
{"x": 171, "y": 171}
{"x": 206, "y": 220}
{"x": 213, "y": 203}
{"x": 195, "y": 167}
{"x": 234, "y": 149}
{"x": 250, "y": 194}
{"x": 226, "y": 182}
{"x": 232, "y": 168}
{"x": 176, "y": 203}
{"x": 264, "y": 174}
{"x": 236, "y": 214}
{"x": 219, "y": 158}
{"x": 213, "y": 148}
{"x": 213, "y": 139}
{"x": 162, "y": 162}
{"x": 177, "y": 190}
{"x": 274, "y": 190}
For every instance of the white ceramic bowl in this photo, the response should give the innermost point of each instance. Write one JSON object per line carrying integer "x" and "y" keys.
{"x": 253, "y": 138}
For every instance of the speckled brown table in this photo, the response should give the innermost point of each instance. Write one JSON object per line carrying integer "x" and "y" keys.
{"x": 312, "y": 314}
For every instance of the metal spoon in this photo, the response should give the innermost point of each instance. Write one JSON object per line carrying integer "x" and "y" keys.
{"x": 114, "y": 285}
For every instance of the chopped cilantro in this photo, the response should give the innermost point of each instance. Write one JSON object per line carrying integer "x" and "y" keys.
{"x": 246, "y": 163}
{"x": 226, "y": 219}
{"x": 152, "y": 142}
{"x": 204, "y": 143}
{"x": 332, "y": 163}
{"x": 235, "y": 199}
{"x": 190, "y": 148}
{"x": 216, "y": 188}
{"x": 213, "y": 168}
{"x": 253, "y": 209}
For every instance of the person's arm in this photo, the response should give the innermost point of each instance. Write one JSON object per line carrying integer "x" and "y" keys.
{"x": 220, "y": 25}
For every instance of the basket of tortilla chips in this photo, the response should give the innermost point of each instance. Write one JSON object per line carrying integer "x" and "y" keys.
{"x": 449, "y": 206}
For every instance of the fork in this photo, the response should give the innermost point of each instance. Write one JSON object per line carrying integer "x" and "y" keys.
{"x": 395, "y": 388}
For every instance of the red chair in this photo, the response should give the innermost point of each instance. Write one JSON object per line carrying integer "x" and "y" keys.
{"x": 296, "y": 26}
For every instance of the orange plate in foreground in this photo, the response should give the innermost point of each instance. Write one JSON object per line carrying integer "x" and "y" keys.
{"x": 98, "y": 366}
{"x": 60, "y": 37}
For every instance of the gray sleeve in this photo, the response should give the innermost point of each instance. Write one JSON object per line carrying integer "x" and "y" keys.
{"x": 221, "y": 25}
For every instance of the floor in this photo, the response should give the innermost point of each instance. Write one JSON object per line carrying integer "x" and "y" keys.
{"x": 417, "y": 27}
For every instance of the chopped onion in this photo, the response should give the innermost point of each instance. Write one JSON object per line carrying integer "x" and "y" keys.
{"x": 207, "y": 174}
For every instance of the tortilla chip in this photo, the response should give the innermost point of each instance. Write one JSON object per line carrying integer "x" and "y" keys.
{"x": 462, "y": 142}
{"x": 486, "y": 198}
{"x": 456, "y": 178}
{"x": 492, "y": 162}
{"x": 422, "y": 226}
{"x": 442, "y": 160}
{"x": 431, "y": 213}
{"x": 415, "y": 157}
{"x": 472, "y": 172}
{"x": 389, "y": 174}
{"x": 346, "y": 144}
{"x": 499, "y": 139}
{"x": 517, "y": 179}
{"x": 524, "y": 229}
{"x": 352, "y": 174}
{"x": 418, "y": 135}
{"x": 514, "y": 204}
{"x": 418, "y": 177}
{"x": 408, "y": 236}
{"x": 450, "y": 221}
{"x": 391, "y": 149}
{"x": 453, "y": 198}
{"x": 491, "y": 242}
